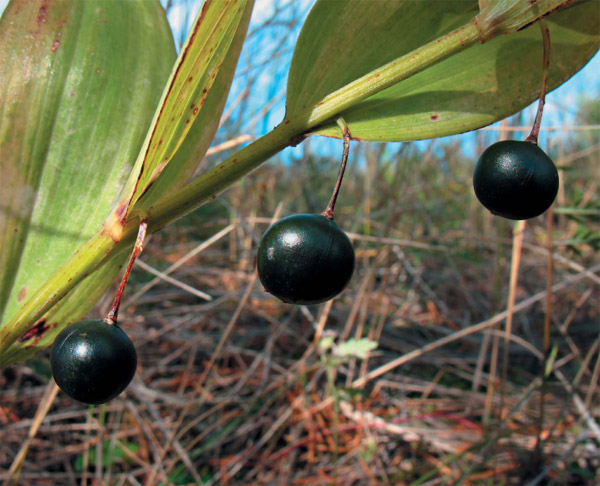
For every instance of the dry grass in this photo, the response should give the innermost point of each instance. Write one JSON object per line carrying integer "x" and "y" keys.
{"x": 236, "y": 391}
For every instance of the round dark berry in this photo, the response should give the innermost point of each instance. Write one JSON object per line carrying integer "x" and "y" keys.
{"x": 305, "y": 259}
{"x": 515, "y": 180}
{"x": 93, "y": 361}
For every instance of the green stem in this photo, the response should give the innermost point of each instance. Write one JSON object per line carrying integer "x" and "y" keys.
{"x": 393, "y": 72}
{"x": 208, "y": 185}
{"x": 296, "y": 126}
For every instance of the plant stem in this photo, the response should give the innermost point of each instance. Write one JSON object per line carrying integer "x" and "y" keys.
{"x": 113, "y": 314}
{"x": 535, "y": 129}
{"x": 297, "y": 125}
{"x": 338, "y": 183}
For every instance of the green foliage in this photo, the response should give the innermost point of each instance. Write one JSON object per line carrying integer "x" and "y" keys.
{"x": 351, "y": 348}
{"x": 482, "y": 83}
{"x": 72, "y": 195}
{"x": 76, "y": 106}
{"x": 193, "y": 100}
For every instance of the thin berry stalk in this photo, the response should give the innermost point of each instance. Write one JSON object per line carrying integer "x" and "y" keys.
{"x": 112, "y": 316}
{"x": 338, "y": 184}
{"x": 535, "y": 130}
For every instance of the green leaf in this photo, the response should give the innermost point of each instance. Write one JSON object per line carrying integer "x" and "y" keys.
{"x": 188, "y": 115}
{"x": 79, "y": 82}
{"x": 90, "y": 258}
{"x": 355, "y": 348}
{"x": 29, "y": 93}
{"x": 474, "y": 87}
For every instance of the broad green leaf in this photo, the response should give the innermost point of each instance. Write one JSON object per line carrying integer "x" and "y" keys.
{"x": 189, "y": 112}
{"x": 342, "y": 41}
{"x": 31, "y": 82}
{"x": 79, "y": 82}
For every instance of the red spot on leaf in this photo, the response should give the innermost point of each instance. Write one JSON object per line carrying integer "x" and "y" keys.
{"x": 434, "y": 117}
{"x": 22, "y": 294}
{"x": 42, "y": 12}
{"x": 36, "y": 331}
{"x": 195, "y": 111}
{"x": 121, "y": 210}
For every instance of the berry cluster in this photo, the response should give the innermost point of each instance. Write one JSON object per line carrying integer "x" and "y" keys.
{"x": 302, "y": 259}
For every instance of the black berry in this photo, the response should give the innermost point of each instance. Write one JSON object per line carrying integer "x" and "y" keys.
{"x": 93, "y": 361}
{"x": 515, "y": 180}
{"x": 305, "y": 259}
